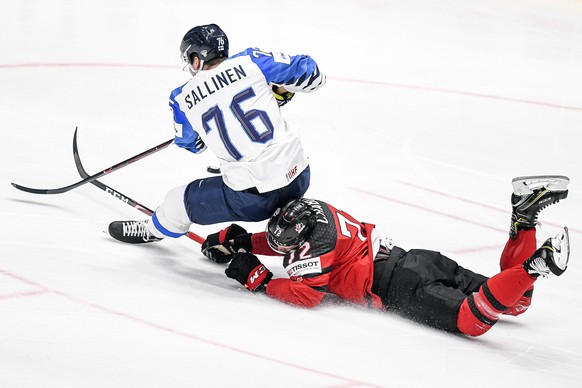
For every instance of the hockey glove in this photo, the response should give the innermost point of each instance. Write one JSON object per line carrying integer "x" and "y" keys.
{"x": 219, "y": 247}
{"x": 246, "y": 269}
{"x": 282, "y": 99}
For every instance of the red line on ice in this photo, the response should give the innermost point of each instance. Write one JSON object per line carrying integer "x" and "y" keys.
{"x": 414, "y": 205}
{"x": 461, "y": 92}
{"x": 481, "y": 204}
{"x": 144, "y": 322}
{"x": 359, "y": 81}
{"x": 23, "y": 294}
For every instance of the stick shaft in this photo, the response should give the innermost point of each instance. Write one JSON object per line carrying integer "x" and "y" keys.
{"x": 92, "y": 178}
{"x": 123, "y": 198}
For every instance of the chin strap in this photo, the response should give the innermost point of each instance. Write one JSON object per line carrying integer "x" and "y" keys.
{"x": 191, "y": 68}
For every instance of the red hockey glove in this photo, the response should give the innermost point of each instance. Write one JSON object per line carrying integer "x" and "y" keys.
{"x": 219, "y": 247}
{"x": 282, "y": 98}
{"x": 246, "y": 269}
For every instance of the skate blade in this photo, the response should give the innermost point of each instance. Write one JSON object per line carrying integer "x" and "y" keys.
{"x": 563, "y": 246}
{"x": 526, "y": 184}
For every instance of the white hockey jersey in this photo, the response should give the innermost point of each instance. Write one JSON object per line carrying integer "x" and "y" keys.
{"x": 231, "y": 110}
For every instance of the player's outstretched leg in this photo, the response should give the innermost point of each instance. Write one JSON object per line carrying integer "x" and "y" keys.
{"x": 132, "y": 232}
{"x": 481, "y": 310}
{"x": 530, "y": 195}
{"x": 551, "y": 258}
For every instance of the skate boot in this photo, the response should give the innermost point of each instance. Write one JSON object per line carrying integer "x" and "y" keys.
{"x": 551, "y": 258}
{"x": 132, "y": 232}
{"x": 530, "y": 195}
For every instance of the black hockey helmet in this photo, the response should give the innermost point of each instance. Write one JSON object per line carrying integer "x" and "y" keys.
{"x": 207, "y": 41}
{"x": 290, "y": 225}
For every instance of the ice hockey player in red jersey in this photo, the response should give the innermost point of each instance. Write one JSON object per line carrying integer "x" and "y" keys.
{"x": 327, "y": 251}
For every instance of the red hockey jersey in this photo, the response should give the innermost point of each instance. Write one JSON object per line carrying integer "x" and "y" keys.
{"x": 337, "y": 258}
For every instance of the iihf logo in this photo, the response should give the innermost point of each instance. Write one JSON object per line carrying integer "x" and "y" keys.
{"x": 220, "y": 42}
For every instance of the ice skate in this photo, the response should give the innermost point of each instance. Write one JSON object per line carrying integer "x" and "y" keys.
{"x": 530, "y": 195}
{"x": 551, "y": 258}
{"x": 132, "y": 232}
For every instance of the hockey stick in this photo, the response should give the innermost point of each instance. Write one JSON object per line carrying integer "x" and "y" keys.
{"x": 92, "y": 178}
{"x": 117, "y": 194}
{"x": 104, "y": 187}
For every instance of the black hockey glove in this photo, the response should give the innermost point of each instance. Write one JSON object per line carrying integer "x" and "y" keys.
{"x": 248, "y": 270}
{"x": 219, "y": 247}
{"x": 282, "y": 99}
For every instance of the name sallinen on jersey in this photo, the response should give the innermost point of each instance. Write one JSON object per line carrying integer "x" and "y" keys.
{"x": 304, "y": 267}
{"x": 216, "y": 82}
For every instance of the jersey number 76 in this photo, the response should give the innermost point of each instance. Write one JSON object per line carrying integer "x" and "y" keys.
{"x": 244, "y": 118}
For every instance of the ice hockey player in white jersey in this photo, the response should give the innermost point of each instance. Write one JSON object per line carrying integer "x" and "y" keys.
{"x": 231, "y": 105}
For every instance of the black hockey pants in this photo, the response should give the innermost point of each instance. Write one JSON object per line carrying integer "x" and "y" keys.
{"x": 424, "y": 286}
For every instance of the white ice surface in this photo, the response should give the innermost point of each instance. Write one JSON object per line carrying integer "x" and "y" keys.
{"x": 431, "y": 108}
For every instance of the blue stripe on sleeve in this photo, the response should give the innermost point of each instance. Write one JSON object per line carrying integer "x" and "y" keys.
{"x": 189, "y": 135}
{"x": 300, "y": 68}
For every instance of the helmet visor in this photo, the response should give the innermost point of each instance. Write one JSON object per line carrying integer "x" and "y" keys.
{"x": 184, "y": 56}
{"x": 277, "y": 246}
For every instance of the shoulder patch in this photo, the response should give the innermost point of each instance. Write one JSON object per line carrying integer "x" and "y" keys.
{"x": 281, "y": 58}
{"x": 304, "y": 267}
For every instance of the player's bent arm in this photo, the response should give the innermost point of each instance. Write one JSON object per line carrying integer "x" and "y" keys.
{"x": 304, "y": 75}
{"x": 294, "y": 292}
{"x": 186, "y": 137}
{"x": 296, "y": 73}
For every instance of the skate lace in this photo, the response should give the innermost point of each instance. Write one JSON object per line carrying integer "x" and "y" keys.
{"x": 136, "y": 229}
{"x": 538, "y": 265}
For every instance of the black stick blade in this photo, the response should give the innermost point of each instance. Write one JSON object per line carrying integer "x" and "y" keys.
{"x": 92, "y": 178}
{"x": 60, "y": 190}
{"x": 41, "y": 191}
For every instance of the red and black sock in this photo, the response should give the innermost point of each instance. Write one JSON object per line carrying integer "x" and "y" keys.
{"x": 481, "y": 310}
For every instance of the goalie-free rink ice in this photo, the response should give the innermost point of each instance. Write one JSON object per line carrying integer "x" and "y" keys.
{"x": 430, "y": 109}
